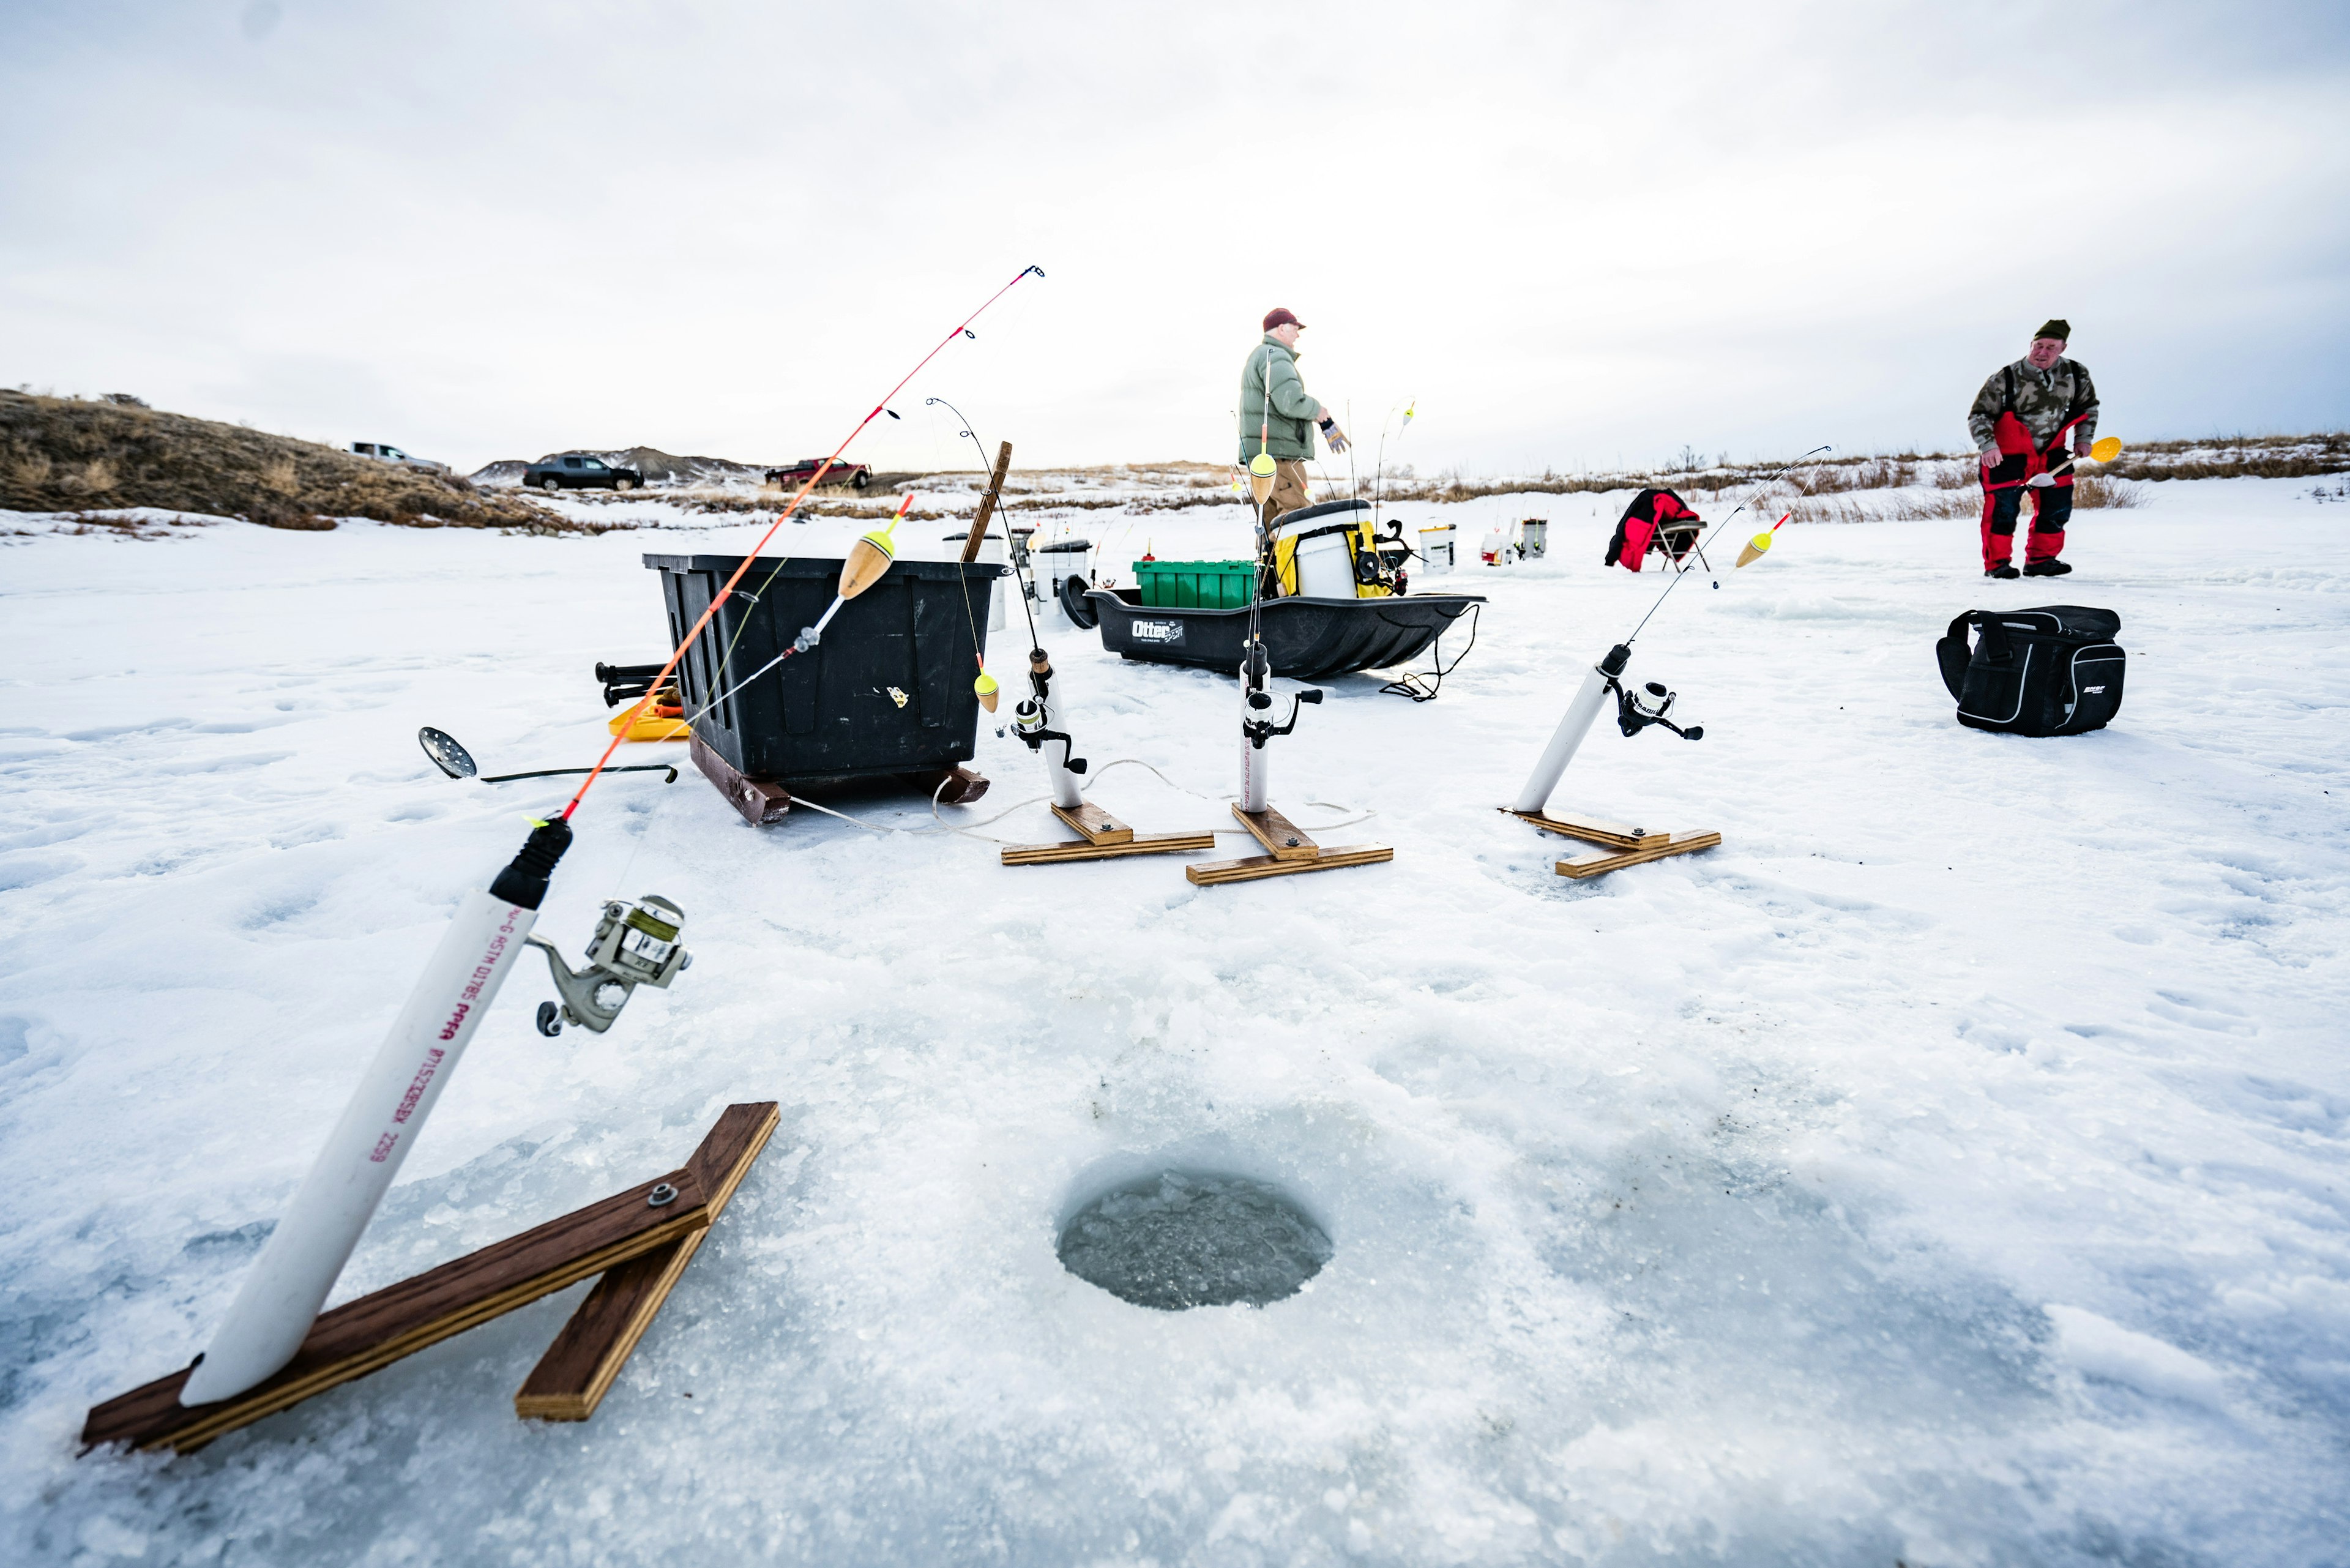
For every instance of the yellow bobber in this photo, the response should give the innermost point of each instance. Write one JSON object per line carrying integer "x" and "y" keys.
{"x": 1261, "y": 472}
{"x": 1754, "y": 548}
{"x": 987, "y": 689}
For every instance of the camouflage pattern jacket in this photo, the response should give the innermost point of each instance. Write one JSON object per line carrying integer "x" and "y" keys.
{"x": 2044, "y": 400}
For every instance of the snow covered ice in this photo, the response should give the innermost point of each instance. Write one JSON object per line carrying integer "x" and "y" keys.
{"x": 1952, "y": 1168}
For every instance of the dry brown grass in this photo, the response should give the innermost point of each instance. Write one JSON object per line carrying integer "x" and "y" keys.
{"x": 62, "y": 454}
{"x": 2088, "y": 495}
{"x": 2236, "y": 457}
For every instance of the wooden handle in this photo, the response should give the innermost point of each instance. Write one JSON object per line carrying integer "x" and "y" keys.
{"x": 987, "y": 505}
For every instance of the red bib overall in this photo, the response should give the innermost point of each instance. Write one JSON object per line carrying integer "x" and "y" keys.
{"x": 2005, "y": 483}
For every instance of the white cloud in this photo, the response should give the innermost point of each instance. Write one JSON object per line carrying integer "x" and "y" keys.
{"x": 1575, "y": 233}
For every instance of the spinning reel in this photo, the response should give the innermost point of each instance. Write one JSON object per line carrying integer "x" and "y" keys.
{"x": 631, "y": 946}
{"x": 1257, "y": 726}
{"x": 1028, "y": 725}
{"x": 1633, "y": 715}
{"x": 1028, "y": 716}
{"x": 1258, "y": 730}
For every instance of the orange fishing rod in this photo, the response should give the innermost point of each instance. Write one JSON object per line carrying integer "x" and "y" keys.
{"x": 723, "y": 594}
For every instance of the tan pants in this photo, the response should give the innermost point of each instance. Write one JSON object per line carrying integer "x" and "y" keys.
{"x": 1288, "y": 490}
{"x": 1289, "y": 494}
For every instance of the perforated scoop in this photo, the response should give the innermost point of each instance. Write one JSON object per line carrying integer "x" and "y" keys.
{"x": 458, "y": 763}
{"x": 447, "y": 755}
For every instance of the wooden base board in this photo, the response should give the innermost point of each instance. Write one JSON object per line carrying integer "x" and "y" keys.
{"x": 1142, "y": 844}
{"x": 1094, "y": 825}
{"x": 371, "y": 1332}
{"x": 1283, "y": 839}
{"x": 1654, "y": 847}
{"x": 1209, "y": 873}
{"x": 1105, "y": 837}
{"x": 1590, "y": 829}
{"x": 572, "y": 1379}
{"x": 1290, "y": 849}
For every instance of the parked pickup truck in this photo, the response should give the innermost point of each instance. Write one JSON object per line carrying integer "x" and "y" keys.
{"x": 576, "y": 471}
{"x": 855, "y": 474}
{"x": 389, "y": 453}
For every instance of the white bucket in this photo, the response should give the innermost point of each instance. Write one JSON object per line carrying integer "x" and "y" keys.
{"x": 1534, "y": 535}
{"x": 1325, "y": 562}
{"x": 1495, "y": 550}
{"x": 1325, "y": 567}
{"x": 1052, "y": 562}
{"x": 1436, "y": 548}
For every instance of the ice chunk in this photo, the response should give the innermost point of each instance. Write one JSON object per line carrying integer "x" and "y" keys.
{"x": 2103, "y": 1348}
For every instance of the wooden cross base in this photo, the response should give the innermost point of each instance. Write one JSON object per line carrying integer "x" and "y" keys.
{"x": 639, "y": 1245}
{"x": 1104, "y": 838}
{"x": 1290, "y": 849}
{"x": 1632, "y": 846}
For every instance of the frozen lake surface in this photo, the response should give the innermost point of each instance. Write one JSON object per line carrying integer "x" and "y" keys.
{"x": 1952, "y": 1168}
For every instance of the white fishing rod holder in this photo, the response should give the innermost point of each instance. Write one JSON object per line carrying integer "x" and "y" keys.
{"x": 1632, "y": 716}
{"x": 1033, "y": 720}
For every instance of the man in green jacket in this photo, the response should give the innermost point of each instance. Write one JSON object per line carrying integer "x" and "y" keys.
{"x": 1284, "y": 429}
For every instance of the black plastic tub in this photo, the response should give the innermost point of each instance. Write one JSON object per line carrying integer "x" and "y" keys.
{"x": 1309, "y": 638}
{"x": 889, "y": 690}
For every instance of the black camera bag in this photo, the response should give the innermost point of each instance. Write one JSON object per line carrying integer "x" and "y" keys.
{"x": 2053, "y": 670}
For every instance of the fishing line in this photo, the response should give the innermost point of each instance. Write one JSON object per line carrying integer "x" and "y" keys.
{"x": 1411, "y": 683}
{"x": 987, "y": 474}
{"x": 1028, "y": 583}
{"x": 727, "y": 591}
{"x": 1718, "y": 528}
{"x": 969, "y": 829}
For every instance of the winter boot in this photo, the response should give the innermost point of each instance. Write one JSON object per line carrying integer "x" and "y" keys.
{"x": 2006, "y": 572}
{"x": 2047, "y": 568}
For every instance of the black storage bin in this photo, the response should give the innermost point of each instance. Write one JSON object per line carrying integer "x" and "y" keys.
{"x": 889, "y": 690}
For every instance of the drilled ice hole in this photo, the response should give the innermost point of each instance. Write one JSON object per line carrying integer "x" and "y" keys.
{"x": 1186, "y": 1239}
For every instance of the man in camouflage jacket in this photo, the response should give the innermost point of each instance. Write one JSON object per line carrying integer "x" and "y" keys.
{"x": 2019, "y": 422}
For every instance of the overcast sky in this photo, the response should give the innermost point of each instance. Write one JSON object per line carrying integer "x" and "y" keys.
{"x": 1578, "y": 234}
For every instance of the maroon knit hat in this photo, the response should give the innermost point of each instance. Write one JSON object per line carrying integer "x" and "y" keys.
{"x": 1282, "y": 316}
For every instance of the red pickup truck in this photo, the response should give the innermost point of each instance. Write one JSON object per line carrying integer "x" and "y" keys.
{"x": 856, "y": 475}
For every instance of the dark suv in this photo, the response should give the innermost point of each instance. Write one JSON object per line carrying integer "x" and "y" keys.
{"x": 577, "y": 471}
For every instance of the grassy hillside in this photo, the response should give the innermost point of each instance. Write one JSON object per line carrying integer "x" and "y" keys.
{"x": 62, "y": 454}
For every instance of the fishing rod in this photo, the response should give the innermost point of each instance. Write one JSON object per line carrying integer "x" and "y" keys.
{"x": 1257, "y": 726}
{"x": 1039, "y": 720}
{"x": 962, "y": 329}
{"x": 1760, "y": 487}
{"x": 985, "y": 686}
{"x": 1633, "y": 714}
{"x": 289, "y": 1281}
{"x": 1380, "y": 469}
